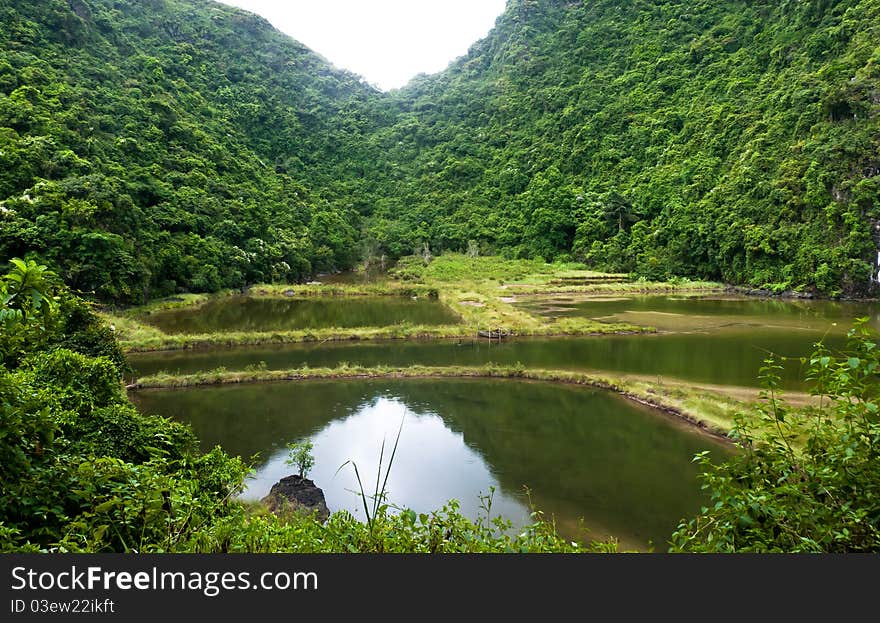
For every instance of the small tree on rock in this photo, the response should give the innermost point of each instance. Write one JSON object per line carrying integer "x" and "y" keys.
{"x": 300, "y": 456}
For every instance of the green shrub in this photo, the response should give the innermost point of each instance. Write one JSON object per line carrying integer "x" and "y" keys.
{"x": 806, "y": 480}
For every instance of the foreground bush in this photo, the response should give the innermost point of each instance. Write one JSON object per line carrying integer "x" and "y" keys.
{"x": 807, "y": 480}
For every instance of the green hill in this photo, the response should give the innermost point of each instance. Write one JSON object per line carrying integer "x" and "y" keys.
{"x": 152, "y": 146}
{"x": 730, "y": 140}
{"x": 158, "y": 146}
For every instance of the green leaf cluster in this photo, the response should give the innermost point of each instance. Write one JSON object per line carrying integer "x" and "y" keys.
{"x": 806, "y": 480}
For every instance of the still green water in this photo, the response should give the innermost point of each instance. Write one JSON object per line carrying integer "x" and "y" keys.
{"x": 243, "y": 313}
{"x": 709, "y": 313}
{"x": 731, "y": 358}
{"x": 583, "y": 453}
{"x": 719, "y": 341}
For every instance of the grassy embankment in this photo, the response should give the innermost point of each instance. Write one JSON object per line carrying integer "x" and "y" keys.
{"x": 712, "y": 408}
{"x": 480, "y": 290}
{"x": 707, "y": 409}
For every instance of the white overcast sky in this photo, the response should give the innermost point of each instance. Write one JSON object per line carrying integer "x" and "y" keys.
{"x": 387, "y": 42}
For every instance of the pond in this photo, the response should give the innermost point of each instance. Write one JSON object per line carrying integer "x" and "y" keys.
{"x": 714, "y": 314}
{"x": 729, "y": 358}
{"x": 582, "y": 453}
{"x": 243, "y": 313}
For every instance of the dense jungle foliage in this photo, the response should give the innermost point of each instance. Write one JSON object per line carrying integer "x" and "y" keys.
{"x": 154, "y": 146}
{"x": 729, "y": 140}
{"x": 148, "y": 147}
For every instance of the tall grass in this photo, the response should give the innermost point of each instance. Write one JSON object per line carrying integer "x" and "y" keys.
{"x": 380, "y": 494}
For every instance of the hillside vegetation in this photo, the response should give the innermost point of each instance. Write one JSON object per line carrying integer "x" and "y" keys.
{"x": 149, "y": 147}
{"x": 728, "y": 140}
{"x": 159, "y": 146}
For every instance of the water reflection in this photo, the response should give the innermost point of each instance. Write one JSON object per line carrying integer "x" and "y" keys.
{"x": 730, "y": 358}
{"x": 583, "y": 453}
{"x": 243, "y": 313}
{"x": 431, "y": 466}
{"x": 718, "y": 341}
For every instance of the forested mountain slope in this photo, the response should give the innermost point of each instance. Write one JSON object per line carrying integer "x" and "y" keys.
{"x": 148, "y": 146}
{"x": 154, "y": 146}
{"x": 725, "y": 139}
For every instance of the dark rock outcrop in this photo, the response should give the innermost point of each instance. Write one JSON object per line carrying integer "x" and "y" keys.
{"x": 297, "y": 494}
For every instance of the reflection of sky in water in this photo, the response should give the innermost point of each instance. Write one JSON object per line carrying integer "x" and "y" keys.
{"x": 582, "y": 452}
{"x": 432, "y": 464}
